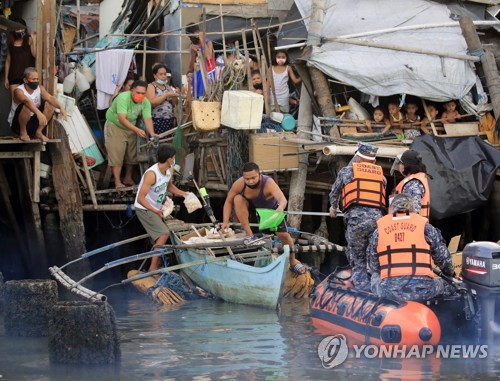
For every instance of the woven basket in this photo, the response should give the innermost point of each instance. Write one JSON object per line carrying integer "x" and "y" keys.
{"x": 206, "y": 115}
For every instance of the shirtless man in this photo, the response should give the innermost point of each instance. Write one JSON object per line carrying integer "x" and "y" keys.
{"x": 262, "y": 192}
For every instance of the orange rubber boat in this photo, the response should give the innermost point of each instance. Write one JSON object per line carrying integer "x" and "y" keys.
{"x": 364, "y": 318}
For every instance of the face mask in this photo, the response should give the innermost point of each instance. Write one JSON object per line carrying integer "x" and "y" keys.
{"x": 280, "y": 61}
{"x": 257, "y": 86}
{"x": 20, "y": 34}
{"x": 138, "y": 98}
{"x": 255, "y": 186}
{"x": 32, "y": 85}
{"x": 161, "y": 82}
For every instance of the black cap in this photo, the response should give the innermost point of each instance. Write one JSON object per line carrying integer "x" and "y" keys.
{"x": 411, "y": 157}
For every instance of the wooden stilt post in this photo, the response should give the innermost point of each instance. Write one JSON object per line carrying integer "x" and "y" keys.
{"x": 69, "y": 201}
{"x": 304, "y": 123}
{"x": 37, "y": 256}
{"x": 298, "y": 180}
{"x": 320, "y": 83}
{"x": 487, "y": 62}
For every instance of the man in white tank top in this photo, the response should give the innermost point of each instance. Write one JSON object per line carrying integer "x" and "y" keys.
{"x": 32, "y": 107}
{"x": 152, "y": 193}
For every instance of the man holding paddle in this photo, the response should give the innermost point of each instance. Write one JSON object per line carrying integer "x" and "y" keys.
{"x": 260, "y": 191}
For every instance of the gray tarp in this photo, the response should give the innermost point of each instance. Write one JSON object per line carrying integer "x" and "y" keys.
{"x": 384, "y": 72}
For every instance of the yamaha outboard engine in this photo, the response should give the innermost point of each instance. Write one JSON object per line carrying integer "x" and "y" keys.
{"x": 481, "y": 274}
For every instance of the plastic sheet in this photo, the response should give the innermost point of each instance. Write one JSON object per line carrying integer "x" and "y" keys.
{"x": 463, "y": 171}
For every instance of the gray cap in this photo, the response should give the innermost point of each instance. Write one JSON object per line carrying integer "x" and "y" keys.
{"x": 402, "y": 203}
{"x": 367, "y": 151}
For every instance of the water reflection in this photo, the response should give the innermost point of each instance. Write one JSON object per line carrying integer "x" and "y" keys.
{"x": 213, "y": 340}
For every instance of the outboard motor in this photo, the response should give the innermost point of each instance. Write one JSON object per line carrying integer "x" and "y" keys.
{"x": 481, "y": 274}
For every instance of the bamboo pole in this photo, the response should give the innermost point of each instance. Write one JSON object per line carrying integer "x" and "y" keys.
{"x": 426, "y": 110}
{"x": 407, "y": 49}
{"x": 337, "y": 150}
{"x": 271, "y": 76}
{"x": 247, "y": 59}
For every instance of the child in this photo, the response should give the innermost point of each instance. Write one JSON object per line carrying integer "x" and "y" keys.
{"x": 207, "y": 52}
{"x": 257, "y": 82}
{"x": 378, "y": 117}
{"x": 396, "y": 118}
{"x": 411, "y": 117}
{"x": 451, "y": 114}
{"x": 433, "y": 112}
{"x": 281, "y": 73}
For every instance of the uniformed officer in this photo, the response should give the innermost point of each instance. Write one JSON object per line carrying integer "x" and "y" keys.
{"x": 415, "y": 183}
{"x": 400, "y": 253}
{"x": 360, "y": 187}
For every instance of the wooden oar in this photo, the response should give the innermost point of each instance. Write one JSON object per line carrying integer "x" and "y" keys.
{"x": 194, "y": 263}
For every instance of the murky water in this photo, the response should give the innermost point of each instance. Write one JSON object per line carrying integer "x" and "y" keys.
{"x": 213, "y": 340}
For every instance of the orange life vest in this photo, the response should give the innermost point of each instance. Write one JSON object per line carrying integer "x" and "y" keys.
{"x": 366, "y": 188}
{"x": 402, "y": 249}
{"x": 425, "y": 208}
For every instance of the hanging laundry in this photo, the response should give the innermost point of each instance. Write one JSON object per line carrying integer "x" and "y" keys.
{"x": 112, "y": 67}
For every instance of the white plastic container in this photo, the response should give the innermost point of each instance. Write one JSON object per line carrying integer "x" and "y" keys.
{"x": 242, "y": 110}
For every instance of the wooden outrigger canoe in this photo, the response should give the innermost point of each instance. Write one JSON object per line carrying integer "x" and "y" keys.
{"x": 257, "y": 282}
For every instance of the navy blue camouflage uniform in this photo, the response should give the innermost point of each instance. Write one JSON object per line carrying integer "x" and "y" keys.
{"x": 408, "y": 287}
{"x": 360, "y": 221}
{"x": 415, "y": 189}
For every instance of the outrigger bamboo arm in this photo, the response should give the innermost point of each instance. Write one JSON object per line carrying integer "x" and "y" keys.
{"x": 71, "y": 285}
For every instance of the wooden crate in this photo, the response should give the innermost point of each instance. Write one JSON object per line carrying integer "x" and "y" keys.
{"x": 268, "y": 151}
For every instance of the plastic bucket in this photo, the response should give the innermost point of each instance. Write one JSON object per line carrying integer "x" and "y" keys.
{"x": 269, "y": 219}
{"x": 288, "y": 123}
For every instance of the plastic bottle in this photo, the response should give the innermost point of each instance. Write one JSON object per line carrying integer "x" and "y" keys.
{"x": 69, "y": 83}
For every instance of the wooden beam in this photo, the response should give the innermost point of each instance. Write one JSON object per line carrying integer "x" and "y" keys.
{"x": 488, "y": 62}
{"x": 36, "y": 177}
{"x": 39, "y": 34}
{"x": 16, "y": 155}
{"x": 69, "y": 201}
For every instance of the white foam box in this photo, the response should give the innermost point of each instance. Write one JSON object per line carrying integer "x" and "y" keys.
{"x": 242, "y": 109}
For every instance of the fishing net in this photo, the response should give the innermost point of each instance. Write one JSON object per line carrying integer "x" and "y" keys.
{"x": 237, "y": 154}
{"x": 174, "y": 282}
{"x": 177, "y": 143}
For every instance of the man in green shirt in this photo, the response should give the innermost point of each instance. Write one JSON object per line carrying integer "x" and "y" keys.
{"x": 121, "y": 130}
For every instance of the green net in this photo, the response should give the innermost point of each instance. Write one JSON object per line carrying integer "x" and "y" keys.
{"x": 177, "y": 143}
{"x": 269, "y": 219}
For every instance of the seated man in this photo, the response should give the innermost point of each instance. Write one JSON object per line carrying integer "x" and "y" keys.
{"x": 32, "y": 107}
{"x": 262, "y": 192}
{"x": 401, "y": 236}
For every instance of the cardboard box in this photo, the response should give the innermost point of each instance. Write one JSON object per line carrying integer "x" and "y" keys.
{"x": 456, "y": 256}
{"x": 268, "y": 151}
{"x": 201, "y": 232}
{"x": 242, "y": 109}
